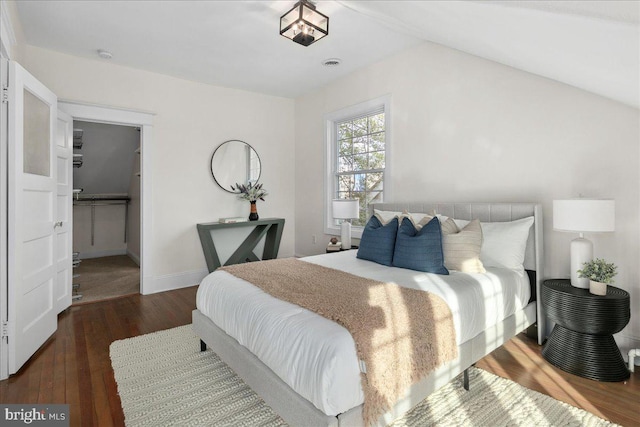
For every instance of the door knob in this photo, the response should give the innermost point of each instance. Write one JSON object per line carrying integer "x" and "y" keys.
{"x": 57, "y": 224}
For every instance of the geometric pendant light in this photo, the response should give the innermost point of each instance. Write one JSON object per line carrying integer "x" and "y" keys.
{"x": 304, "y": 24}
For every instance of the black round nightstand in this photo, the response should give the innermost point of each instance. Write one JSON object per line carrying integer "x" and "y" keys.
{"x": 581, "y": 342}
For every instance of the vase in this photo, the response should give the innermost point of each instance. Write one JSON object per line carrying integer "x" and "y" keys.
{"x": 597, "y": 288}
{"x": 253, "y": 216}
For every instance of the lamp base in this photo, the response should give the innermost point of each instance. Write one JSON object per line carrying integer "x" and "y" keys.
{"x": 581, "y": 252}
{"x": 345, "y": 235}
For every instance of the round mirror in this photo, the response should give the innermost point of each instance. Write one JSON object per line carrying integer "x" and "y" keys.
{"x": 235, "y": 162}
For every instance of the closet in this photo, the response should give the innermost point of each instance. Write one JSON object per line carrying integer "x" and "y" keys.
{"x": 106, "y": 211}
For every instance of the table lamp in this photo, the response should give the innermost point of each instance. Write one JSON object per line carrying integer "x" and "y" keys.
{"x": 583, "y": 216}
{"x": 346, "y": 210}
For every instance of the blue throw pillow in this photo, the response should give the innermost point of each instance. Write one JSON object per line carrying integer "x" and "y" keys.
{"x": 420, "y": 250}
{"x": 377, "y": 241}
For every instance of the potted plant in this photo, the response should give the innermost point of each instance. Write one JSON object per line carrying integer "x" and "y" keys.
{"x": 600, "y": 274}
{"x": 251, "y": 192}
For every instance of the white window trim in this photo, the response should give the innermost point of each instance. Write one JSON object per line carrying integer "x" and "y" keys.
{"x": 330, "y": 147}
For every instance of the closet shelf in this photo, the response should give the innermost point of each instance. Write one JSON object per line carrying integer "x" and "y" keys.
{"x": 77, "y": 160}
{"x": 77, "y": 138}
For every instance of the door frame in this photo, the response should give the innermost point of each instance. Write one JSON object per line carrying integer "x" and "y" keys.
{"x": 144, "y": 120}
{"x": 4, "y": 165}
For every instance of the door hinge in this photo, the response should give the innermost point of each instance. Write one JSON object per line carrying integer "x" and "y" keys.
{"x": 5, "y": 95}
{"x": 5, "y": 329}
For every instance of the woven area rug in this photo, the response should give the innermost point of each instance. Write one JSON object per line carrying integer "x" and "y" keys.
{"x": 164, "y": 379}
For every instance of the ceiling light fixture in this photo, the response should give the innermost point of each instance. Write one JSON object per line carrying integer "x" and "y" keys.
{"x": 304, "y": 24}
{"x": 104, "y": 54}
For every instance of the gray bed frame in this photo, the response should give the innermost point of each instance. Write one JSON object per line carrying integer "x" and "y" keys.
{"x": 297, "y": 411}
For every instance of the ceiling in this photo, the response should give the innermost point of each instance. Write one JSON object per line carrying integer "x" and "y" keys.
{"x": 593, "y": 45}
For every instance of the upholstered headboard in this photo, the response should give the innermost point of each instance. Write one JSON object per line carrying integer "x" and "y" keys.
{"x": 492, "y": 212}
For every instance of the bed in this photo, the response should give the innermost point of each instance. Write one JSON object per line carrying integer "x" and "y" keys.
{"x": 291, "y": 388}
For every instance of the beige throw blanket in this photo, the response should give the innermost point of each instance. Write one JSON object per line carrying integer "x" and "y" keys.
{"x": 401, "y": 334}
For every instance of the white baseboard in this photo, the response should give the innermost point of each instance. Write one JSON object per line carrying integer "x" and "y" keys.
{"x": 134, "y": 257}
{"x": 287, "y": 255}
{"x": 170, "y": 282}
{"x": 184, "y": 279}
{"x": 626, "y": 343}
{"x": 100, "y": 254}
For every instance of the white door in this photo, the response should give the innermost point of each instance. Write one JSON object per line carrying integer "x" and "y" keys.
{"x": 32, "y": 210}
{"x": 63, "y": 222}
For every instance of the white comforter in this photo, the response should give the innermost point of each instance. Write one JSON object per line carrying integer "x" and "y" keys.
{"x": 317, "y": 357}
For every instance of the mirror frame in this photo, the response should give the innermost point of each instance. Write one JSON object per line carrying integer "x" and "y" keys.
{"x": 214, "y": 153}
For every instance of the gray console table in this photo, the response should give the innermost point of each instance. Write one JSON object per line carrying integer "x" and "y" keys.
{"x": 269, "y": 227}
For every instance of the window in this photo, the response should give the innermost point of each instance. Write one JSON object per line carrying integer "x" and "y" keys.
{"x": 357, "y": 158}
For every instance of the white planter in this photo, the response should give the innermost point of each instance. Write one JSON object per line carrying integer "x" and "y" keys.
{"x": 597, "y": 288}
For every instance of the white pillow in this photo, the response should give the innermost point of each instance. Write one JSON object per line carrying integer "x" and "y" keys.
{"x": 448, "y": 226}
{"x": 505, "y": 243}
{"x": 418, "y": 217}
{"x": 386, "y": 216}
{"x": 461, "y": 223}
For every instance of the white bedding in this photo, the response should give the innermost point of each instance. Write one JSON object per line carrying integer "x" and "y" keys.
{"x": 317, "y": 357}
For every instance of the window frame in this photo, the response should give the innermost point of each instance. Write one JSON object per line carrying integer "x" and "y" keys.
{"x": 330, "y": 160}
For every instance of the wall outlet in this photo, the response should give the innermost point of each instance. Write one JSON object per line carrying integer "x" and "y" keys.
{"x": 314, "y": 239}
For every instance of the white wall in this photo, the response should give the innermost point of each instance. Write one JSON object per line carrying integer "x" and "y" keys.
{"x": 468, "y": 129}
{"x": 11, "y": 30}
{"x": 108, "y": 231}
{"x": 108, "y": 154}
{"x": 191, "y": 120}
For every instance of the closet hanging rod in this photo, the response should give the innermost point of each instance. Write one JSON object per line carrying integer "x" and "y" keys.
{"x": 100, "y": 203}
{"x": 96, "y": 198}
{"x": 105, "y": 201}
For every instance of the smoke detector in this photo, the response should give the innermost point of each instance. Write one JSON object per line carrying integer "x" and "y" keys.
{"x": 104, "y": 54}
{"x": 332, "y": 62}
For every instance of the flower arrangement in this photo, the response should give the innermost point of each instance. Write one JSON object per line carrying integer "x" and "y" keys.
{"x": 251, "y": 192}
{"x": 598, "y": 270}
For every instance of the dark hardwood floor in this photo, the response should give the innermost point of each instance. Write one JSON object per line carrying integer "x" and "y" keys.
{"x": 74, "y": 367}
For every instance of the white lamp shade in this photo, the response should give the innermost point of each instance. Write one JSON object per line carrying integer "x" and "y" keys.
{"x": 346, "y": 208}
{"x": 584, "y": 215}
